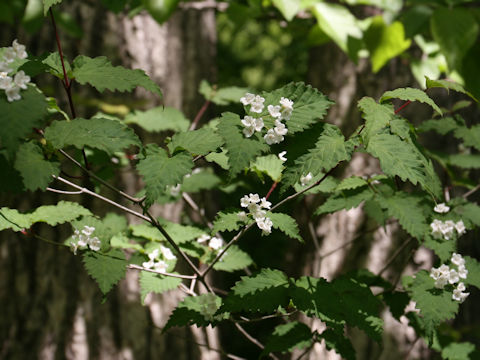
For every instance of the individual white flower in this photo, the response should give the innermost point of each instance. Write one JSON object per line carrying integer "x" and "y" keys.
{"x": 274, "y": 111}
{"x": 247, "y": 99}
{"x": 13, "y": 93}
{"x": 257, "y": 104}
{"x": 251, "y": 125}
{"x": 441, "y": 276}
{"x": 248, "y": 121}
{"x": 245, "y": 201}
{"x": 259, "y": 124}
{"x": 282, "y": 157}
{"x": 167, "y": 253}
{"x": 270, "y": 137}
{"x": 175, "y": 190}
{"x": 305, "y": 179}
{"x": 265, "y": 224}
{"x": 21, "y": 80}
{"x": 458, "y": 293}
{"x": 94, "y": 243}
{"x": 161, "y": 266}
{"x": 453, "y": 276}
{"x": 460, "y": 227}
{"x": 457, "y": 259}
{"x": 287, "y": 108}
{"x": 462, "y": 271}
{"x": 248, "y": 131}
{"x": 9, "y": 55}
{"x": 215, "y": 243}
{"x": 280, "y": 128}
{"x": 88, "y": 230}
{"x": 82, "y": 241}
{"x": 256, "y": 211}
{"x": 19, "y": 49}
{"x": 441, "y": 208}
{"x": 203, "y": 238}
{"x": 6, "y": 81}
{"x": 254, "y": 198}
{"x": 435, "y": 225}
{"x": 265, "y": 204}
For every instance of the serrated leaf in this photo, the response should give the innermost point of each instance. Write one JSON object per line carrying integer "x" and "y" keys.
{"x": 336, "y": 340}
{"x": 448, "y": 85}
{"x": 179, "y": 233}
{"x": 203, "y": 180}
{"x": 98, "y": 133}
{"x": 151, "y": 282}
{"x": 222, "y": 96}
{"x": 197, "y": 142}
{"x": 442, "y": 126}
{"x": 458, "y": 351}
{"x": 286, "y": 224}
{"x": 345, "y": 199}
{"x": 107, "y": 269}
{"x": 330, "y": 149}
{"x": 101, "y": 74}
{"x": 442, "y": 248}
{"x": 465, "y": 161}
{"x": 410, "y": 94}
{"x": 470, "y": 212}
{"x": 455, "y": 30}
{"x": 240, "y": 150}
{"x": 377, "y": 116}
{"x": 13, "y": 219}
{"x": 227, "y": 222}
{"x": 159, "y": 119}
{"x": 309, "y": 105}
{"x": 350, "y": 183}
{"x": 373, "y": 209}
{"x": 470, "y": 136}
{"x": 473, "y": 267}
{"x": 288, "y": 8}
{"x": 122, "y": 242}
{"x": 262, "y": 292}
{"x": 384, "y": 42}
{"x": 407, "y": 210}
{"x": 159, "y": 170}
{"x": 401, "y": 128}
{"x": 199, "y": 310}
{"x": 289, "y": 336}
{"x": 36, "y": 172}
{"x": 64, "y": 211}
{"x": 47, "y": 4}
{"x": 397, "y": 158}
{"x": 397, "y": 302}
{"x": 354, "y": 303}
{"x": 435, "y": 305}
{"x": 220, "y": 159}
{"x": 270, "y": 165}
{"x": 18, "y": 118}
{"x": 234, "y": 259}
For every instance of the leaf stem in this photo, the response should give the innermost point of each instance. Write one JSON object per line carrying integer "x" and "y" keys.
{"x": 199, "y": 115}
{"x": 403, "y": 106}
{"x": 180, "y": 276}
{"x": 274, "y": 185}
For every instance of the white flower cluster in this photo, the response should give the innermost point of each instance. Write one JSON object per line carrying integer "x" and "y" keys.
{"x": 13, "y": 85}
{"x": 213, "y": 242}
{"x": 444, "y": 275}
{"x": 277, "y": 112}
{"x": 256, "y": 205}
{"x": 446, "y": 229}
{"x": 155, "y": 263}
{"x": 83, "y": 239}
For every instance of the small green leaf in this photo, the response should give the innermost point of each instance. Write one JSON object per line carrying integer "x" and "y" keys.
{"x": 350, "y": 183}
{"x": 36, "y": 172}
{"x": 158, "y": 284}
{"x": 107, "y": 269}
{"x": 198, "y": 181}
{"x": 458, "y": 351}
{"x": 289, "y": 336}
{"x": 197, "y": 142}
{"x": 47, "y": 4}
{"x": 160, "y": 10}
{"x": 227, "y": 222}
{"x": 63, "y": 212}
{"x": 377, "y": 116}
{"x": 449, "y": 85}
{"x": 159, "y": 119}
{"x": 473, "y": 267}
{"x": 234, "y": 259}
{"x": 270, "y": 165}
{"x": 101, "y": 74}
{"x": 222, "y": 96}
{"x": 470, "y": 136}
{"x": 98, "y": 133}
{"x": 345, "y": 199}
{"x": 288, "y": 8}
{"x": 13, "y": 219}
{"x": 122, "y": 242}
{"x": 410, "y": 94}
{"x": 442, "y": 126}
{"x": 286, "y": 224}
{"x": 336, "y": 340}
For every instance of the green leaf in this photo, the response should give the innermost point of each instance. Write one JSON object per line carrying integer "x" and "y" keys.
{"x": 449, "y": 85}
{"x": 442, "y": 126}
{"x": 384, "y": 42}
{"x": 345, "y": 199}
{"x": 397, "y": 302}
{"x": 18, "y": 118}
{"x": 470, "y": 136}
{"x": 465, "y": 161}
{"x": 289, "y": 336}
{"x": 310, "y": 105}
{"x": 240, "y": 150}
{"x": 350, "y": 183}
{"x": 107, "y": 135}
{"x": 107, "y": 269}
{"x": 288, "y": 8}
{"x": 220, "y": 159}
{"x": 330, "y": 149}
{"x": 160, "y": 10}
{"x": 47, "y": 4}
{"x": 197, "y": 142}
{"x": 377, "y": 116}
{"x": 286, "y": 224}
{"x": 455, "y": 30}
{"x": 123, "y": 242}
{"x": 36, "y": 172}
{"x": 270, "y": 165}
{"x": 101, "y": 74}
{"x": 335, "y": 340}
{"x": 442, "y": 248}
{"x": 458, "y": 351}
{"x": 199, "y": 310}
{"x": 470, "y": 212}
{"x": 410, "y": 94}
{"x": 12, "y": 219}
{"x": 435, "y": 305}
{"x": 234, "y": 259}
{"x": 337, "y": 22}
{"x": 151, "y": 282}
{"x": 397, "y": 158}
{"x": 354, "y": 303}
{"x": 159, "y": 170}
{"x": 198, "y": 181}
{"x": 473, "y": 267}
{"x": 179, "y": 233}
{"x": 263, "y": 292}
{"x": 222, "y": 96}
{"x": 159, "y": 119}
{"x": 227, "y": 222}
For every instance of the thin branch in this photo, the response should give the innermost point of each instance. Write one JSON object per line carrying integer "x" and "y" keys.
{"x": 186, "y": 290}
{"x": 252, "y": 339}
{"x": 394, "y": 256}
{"x": 197, "y": 209}
{"x": 468, "y": 193}
{"x": 244, "y": 319}
{"x": 137, "y": 267}
{"x": 403, "y": 106}
{"x": 64, "y": 192}
{"x": 47, "y": 240}
{"x": 199, "y": 115}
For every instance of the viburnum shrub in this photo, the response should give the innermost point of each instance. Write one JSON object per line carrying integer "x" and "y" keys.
{"x": 280, "y": 137}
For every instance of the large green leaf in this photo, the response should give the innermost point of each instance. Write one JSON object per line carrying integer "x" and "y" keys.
{"x": 286, "y": 224}
{"x": 271, "y": 165}
{"x": 384, "y": 42}
{"x": 159, "y": 119}
{"x": 36, "y": 171}
{"x": 410, "y": 94}
{"x": 18, "y": 118}
{"x": 442, "y": 126}
{"x": 455, "y": 30}
{"x": 470, "y": 136}
{"x": 159, "y": 170}
{"x": 449, "y": 85}
{"x": 289, "y": 336}
{"x": 179, "y": 233}
{"x": 377, "y": 116}
{"x": 107, "y": 269}
{"x": 101, "y": 74}
{"x": 98, "y": 133}
{"x": 288, "y": 8}
{"x": 197, "y": 142}
{"x": 155, "y": 283}
{"x": 459, "y": 351}
{"x": 240, "y": 150}
{"x": 234, "y": 259}
{"x": 345, "y": 199}
{"x": 221, "y": 96}
{"x": 47, "y": 4}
